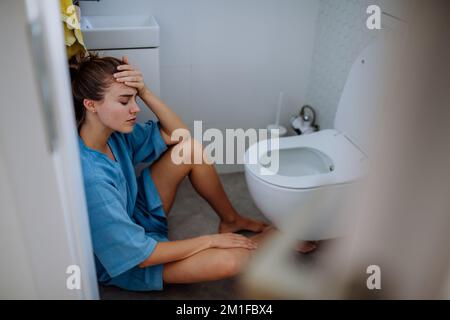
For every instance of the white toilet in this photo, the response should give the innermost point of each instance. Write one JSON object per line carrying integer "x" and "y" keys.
{"x": 322, "y": 169}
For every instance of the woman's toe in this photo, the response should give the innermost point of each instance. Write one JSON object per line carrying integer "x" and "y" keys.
{"x": 307, "y": 247}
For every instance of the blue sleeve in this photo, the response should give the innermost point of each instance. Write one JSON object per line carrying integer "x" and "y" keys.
{"x": 146, "y": 142}
{"x": 118, "y": 242}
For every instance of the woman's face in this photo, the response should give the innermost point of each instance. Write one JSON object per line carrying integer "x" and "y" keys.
{"x": 118, "y": 109}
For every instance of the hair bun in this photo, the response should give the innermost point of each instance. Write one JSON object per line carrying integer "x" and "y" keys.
{"x": 75, "y": 64}
{"x": 74, "y": 71}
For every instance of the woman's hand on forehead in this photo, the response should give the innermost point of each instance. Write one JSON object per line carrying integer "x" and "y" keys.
{"x": 130, "y": 76}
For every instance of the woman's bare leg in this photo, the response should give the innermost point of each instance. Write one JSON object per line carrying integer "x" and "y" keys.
{"x": 167, "y": 176}
{"x": 216, "y": 264}
{"x": 212, "y": 264}
{"x": 207, "y": 265}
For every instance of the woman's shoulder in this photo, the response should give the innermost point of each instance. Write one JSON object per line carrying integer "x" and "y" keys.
{"x": 96, "y": 167}
{"x": 141, "y": 131}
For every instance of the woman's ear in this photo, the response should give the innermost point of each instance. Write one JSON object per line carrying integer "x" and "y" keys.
{"x": 89, "y": 105}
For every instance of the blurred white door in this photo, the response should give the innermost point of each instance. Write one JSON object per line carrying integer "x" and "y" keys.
{"x": 43, "y": 220}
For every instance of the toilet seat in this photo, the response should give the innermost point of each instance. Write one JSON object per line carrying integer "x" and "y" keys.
{"x": 346, "y": 163}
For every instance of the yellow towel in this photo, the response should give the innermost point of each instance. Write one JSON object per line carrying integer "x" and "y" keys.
{"x": 72, "y": 31}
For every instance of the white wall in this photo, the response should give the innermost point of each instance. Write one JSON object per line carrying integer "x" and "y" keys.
{"x": 225, "y": 61}
{"x": 341, "y": 36}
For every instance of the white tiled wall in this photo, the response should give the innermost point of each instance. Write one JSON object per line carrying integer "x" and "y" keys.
{"x": 341, "y": 35}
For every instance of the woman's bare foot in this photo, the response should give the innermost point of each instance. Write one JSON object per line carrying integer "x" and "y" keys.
{"x": 303, "y": 247}
{"x": 306, "y": 246}
{"x": 242, "y": 223}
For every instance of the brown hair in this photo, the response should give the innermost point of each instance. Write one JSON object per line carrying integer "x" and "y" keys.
{"x": 90, "y": 77}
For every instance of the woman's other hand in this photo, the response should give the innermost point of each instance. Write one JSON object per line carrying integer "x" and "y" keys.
{"x": 130, "y": 76}
{"x": 231, "y": 240}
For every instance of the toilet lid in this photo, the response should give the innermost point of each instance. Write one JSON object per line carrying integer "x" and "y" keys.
{"x": 361, "y": 99}
{"x": 345, "y": 162}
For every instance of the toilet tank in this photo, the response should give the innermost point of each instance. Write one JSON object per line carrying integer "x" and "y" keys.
{"x": 361, "y": 98}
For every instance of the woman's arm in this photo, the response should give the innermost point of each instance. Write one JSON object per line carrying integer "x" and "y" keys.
{"x": 166, "y": 252}
{"x": 167, "y": 117}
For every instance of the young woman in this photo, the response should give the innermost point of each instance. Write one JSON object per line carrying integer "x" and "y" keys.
{"x": 128, "y": 214}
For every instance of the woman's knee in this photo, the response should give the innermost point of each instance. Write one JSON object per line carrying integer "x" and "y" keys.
{"x": 190, "y": 151}
{"x": 233, "y": 261}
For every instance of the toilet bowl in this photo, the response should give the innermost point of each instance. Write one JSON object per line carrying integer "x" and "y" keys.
{"x": 322, "y": 170}
{"x": 323, "y": 165}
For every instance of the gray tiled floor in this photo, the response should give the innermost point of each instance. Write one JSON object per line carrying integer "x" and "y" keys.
{"x": 191, "y": 216}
